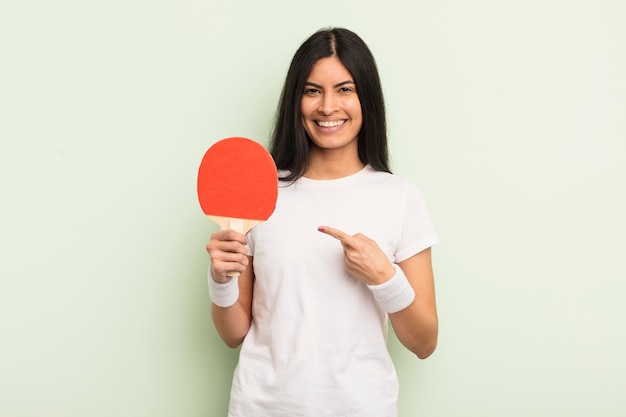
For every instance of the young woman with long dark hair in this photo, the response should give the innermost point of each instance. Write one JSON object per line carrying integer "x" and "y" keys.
{"x": 346, "y": 250}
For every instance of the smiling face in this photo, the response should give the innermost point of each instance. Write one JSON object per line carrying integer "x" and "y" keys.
{"x": 331, "y": 110}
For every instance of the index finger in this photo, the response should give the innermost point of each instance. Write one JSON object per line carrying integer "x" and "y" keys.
{"x": 230, "y": 235}
{"x": 336, "y": 233}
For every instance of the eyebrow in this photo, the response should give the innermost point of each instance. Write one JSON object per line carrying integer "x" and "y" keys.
{"x": 341, "y": 84}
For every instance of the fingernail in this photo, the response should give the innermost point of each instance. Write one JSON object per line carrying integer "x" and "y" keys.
{"x": 321, "y": 229}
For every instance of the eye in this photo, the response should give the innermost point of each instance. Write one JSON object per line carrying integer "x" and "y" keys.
{"x": 346, "y": 90}
{"x": 311, "y": 91}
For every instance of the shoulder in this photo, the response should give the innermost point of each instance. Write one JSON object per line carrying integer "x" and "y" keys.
{"x": 387, "y": 179}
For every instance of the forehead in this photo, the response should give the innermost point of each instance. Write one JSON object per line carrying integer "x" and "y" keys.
{"x": 329, "y": 69}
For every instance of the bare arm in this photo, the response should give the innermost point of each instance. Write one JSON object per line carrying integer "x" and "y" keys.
{"x": 417, "y": 326}
{"x": 228, "y": 253}
{"x": 232, "y": 323}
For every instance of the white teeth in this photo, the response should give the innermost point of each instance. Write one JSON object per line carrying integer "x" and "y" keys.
{"x": 330, "y": 123}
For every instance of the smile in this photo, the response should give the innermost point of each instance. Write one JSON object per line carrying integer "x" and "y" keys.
{"x": 332, "y": 123}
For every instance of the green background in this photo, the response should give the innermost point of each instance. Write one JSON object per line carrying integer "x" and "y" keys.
{"x": 509, "y": 115}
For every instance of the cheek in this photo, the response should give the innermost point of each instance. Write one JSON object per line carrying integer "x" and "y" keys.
{"x": 357, "y": 114}
{"x": 355, "y": 109}
{"x": 307, "y": 106}
{"x": 307, "y": 126}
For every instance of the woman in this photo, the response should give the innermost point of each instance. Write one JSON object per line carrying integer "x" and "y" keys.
{"x": 347, "y": 248}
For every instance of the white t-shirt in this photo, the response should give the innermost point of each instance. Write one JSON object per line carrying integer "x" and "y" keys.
{"x": 317, "y": 344}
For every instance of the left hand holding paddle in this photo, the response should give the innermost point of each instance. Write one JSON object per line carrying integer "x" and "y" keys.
{"x": 364, "y": 259}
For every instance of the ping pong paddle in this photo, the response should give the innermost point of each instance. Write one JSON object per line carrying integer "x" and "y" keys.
{"x": 237, "y": 184}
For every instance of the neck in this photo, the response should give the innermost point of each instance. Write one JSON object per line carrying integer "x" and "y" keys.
{"x": 332, "y": 165}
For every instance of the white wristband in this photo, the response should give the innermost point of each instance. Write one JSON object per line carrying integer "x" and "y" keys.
{"x": 395, "y": 294}
{"x": 223, "y": 294}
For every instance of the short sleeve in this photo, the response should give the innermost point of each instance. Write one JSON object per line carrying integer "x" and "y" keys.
{"x": 418, "y": 231}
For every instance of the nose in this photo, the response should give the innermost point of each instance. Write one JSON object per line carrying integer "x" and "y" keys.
{"x": 327, "y": 104}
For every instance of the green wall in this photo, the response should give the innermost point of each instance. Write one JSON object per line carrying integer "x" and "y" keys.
{"x": 509, "y": 115}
